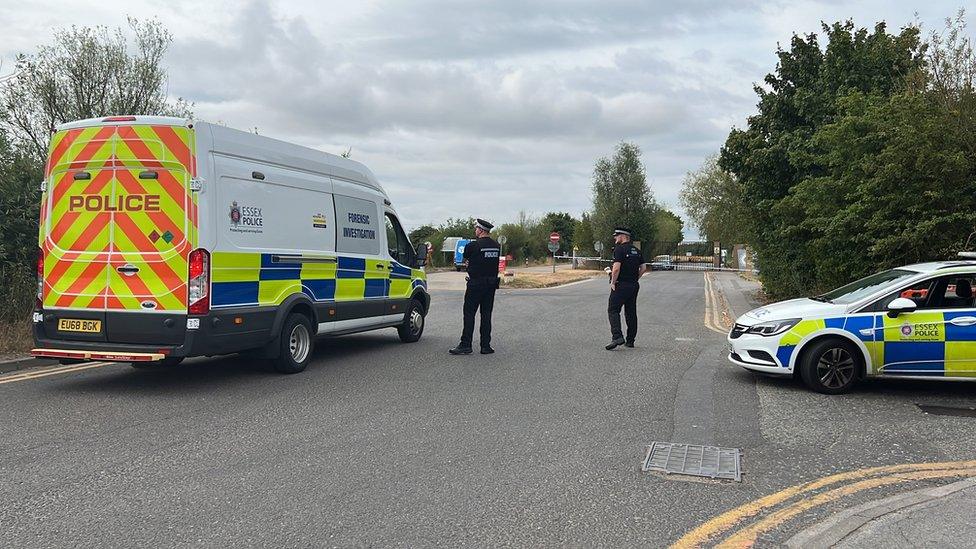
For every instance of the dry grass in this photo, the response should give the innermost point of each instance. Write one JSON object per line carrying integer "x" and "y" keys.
{"x": 16, "y": 304}
{"x": 15, "y": 338}
{"x": 548, "y": 280}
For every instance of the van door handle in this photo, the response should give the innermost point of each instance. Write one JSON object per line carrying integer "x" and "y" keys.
{"x": 380, "y": 266}
{"x": 963, "y": 321}
{"x": 128, "y": 269}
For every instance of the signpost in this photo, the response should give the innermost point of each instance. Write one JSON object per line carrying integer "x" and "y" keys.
{"x": 598, "y": 246}
{"x": 554, "y": 247}
{"x": 501, "y": 242}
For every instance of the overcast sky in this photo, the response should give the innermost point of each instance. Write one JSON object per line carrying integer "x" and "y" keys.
{"x": 484, "y": 108}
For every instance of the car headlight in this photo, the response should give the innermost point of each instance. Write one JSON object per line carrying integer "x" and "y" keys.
{"x": 773, "y": 327}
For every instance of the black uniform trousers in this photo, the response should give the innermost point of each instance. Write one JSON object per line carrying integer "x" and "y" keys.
{"x": 624, "y": 296}
{"x": 480, "y": 294}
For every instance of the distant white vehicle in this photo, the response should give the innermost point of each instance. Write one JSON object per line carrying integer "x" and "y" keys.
{"x": 662, "y": 263}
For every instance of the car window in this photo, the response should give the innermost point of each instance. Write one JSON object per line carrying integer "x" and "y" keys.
{"x": 397, "y": 242}
{"x": 952, "y": 292}
{"x": 866, "y": 286}
{"x": 391, "y": 238}
{"x": 945, "y": 292}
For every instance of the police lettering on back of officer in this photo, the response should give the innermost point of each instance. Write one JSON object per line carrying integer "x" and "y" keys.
{"x": 481, "y": 257}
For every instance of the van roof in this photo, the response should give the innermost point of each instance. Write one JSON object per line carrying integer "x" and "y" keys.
{"x": 231, "y": 142}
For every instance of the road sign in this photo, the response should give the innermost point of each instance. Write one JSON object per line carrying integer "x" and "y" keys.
{"x": 554, "y": 237}
{"x": 502, "y": 239}
{"x": 598, "y": 246}
{"x": 554, "y": 247}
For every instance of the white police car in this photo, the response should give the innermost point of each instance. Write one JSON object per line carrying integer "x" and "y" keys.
{"x": 916, "y": 321}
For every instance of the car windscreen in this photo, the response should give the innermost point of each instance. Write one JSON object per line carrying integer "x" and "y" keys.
{"x": 866, "y": 286}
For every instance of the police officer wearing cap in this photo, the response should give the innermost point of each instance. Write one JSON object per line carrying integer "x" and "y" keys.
{"x": 482, "y": 259}
{"x": 628, "y": 267}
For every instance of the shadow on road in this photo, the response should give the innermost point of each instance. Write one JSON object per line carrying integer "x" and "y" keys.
{"x": 894, "y": 389}
{"x": 202, "y": 375}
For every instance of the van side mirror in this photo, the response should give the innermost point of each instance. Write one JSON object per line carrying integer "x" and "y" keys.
{"x": 901, "y": 305}
{"x": 422, "y": 254}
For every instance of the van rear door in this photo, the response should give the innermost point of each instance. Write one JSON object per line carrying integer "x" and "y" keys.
{"x": 118, "y": 224}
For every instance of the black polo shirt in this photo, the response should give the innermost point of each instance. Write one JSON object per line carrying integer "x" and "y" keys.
{"x": 630, "y": 259}
{"x": 482, "y": 256}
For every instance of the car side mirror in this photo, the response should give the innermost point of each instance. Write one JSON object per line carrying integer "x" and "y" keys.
{"x": 901, "y": 305}
{"x": 422, "y": 255}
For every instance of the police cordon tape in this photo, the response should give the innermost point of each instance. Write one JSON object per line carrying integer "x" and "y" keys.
{"x": 674, "y": 266}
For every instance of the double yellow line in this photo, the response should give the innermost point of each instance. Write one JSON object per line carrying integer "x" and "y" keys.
{"x": 734, "y": 529}
{"x": 34, "y": 374}
{"x": 713, "y": 308}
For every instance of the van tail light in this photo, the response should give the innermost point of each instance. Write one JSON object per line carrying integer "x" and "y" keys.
{"x": 199, "y": 285}
{"x": 39, "y": 301}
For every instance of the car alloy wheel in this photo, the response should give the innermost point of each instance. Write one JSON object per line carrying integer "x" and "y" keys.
{"x": 836, "y": 368}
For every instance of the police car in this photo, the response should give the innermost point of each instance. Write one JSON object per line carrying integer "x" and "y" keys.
{"x": 164, "y": 238}
{"x": 916, "y": 321}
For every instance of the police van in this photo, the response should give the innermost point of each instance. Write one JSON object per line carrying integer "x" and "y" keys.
{"x": 164, "y": 238}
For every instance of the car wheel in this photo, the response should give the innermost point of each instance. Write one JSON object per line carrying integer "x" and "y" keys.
{"x": 297, "y": 343}
{"x": 413, "y": 323}
{"x": 831, "y": 366}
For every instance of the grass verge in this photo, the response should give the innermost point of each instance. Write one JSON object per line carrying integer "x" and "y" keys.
{"x": 548, "y": 280}
{"x": 16, "y": 304}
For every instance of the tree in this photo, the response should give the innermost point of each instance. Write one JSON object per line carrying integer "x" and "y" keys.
{"x": 583, "y": 236}
{"x": 85, "y": 73}
{"x": 463, "y": 228}
{"x": 560, "y": 222}
{"x": 422, "y": 234}
{"x": 20, "y": 179}
{"x": 621, "y": 195}
{"x": 668, "y": 227}
{"x": 713, "y": 199}
{"x": 775, "y": 152}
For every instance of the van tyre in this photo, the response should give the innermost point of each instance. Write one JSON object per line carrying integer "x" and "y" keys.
{"x": 297, "y": 341}
{"x": 831, "y": 366}
{"x": 413, "y": 323}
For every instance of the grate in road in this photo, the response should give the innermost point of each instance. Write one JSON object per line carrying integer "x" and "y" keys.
{"x": 694, "y": 460}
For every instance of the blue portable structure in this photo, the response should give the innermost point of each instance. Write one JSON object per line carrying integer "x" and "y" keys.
{"x": 459, "y": 253}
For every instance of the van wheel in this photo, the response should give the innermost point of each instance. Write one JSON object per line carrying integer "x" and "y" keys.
{"x": 297, "y": 343}
{"x": 413, "y": 324}
{"x": 830, "y": 366}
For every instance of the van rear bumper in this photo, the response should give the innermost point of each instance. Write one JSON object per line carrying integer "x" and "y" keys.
{"x": 217, "y": 334}
{"x": 77, "y": 354}
{"x": 101, "y": 350}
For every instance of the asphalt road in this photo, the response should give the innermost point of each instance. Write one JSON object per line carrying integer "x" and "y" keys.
{"x": 381, "y": 443}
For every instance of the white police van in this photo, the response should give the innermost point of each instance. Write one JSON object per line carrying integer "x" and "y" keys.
{"x": 164, "y": 238}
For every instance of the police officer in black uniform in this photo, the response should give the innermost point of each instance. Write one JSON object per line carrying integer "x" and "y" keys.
{"x": 482, "y": 259}
{"x": 628, "y": 267}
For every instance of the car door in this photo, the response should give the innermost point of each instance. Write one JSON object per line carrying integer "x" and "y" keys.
{"x": 937, "y": 337}
{"x": 402, "y": 258}
{"x": 960, "y": 326}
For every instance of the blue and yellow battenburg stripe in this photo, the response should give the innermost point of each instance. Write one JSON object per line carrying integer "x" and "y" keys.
{"x": 927, "y": 344}
{"x": 257, "y": 279}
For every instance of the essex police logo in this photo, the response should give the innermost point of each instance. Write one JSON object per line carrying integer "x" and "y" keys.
{"x": 907, "y": 330}
{"x": 246, "y": 219}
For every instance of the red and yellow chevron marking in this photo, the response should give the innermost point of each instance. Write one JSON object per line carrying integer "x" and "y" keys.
{"x": 91, "y": 227}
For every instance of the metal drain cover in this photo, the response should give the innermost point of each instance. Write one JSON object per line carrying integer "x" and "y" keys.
{"x": 694, "y": 460}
